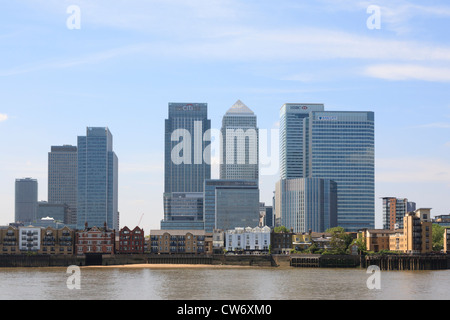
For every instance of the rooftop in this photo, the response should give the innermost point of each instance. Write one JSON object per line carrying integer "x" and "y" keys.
{"x": 240, "y": 108}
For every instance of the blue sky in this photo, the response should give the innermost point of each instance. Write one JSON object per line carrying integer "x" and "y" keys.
{"x": 130, "y": 58}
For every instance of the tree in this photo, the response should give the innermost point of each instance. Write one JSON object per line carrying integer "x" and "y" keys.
{"x": 340, "y": 240}
{"x": 438, "y": 237}
{"x": 281, "y": 229}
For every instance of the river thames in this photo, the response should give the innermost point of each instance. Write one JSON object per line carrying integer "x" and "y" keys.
{"x": 221, "y": 284}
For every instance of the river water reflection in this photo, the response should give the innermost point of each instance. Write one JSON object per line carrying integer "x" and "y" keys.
{"x": 221, "y": 284}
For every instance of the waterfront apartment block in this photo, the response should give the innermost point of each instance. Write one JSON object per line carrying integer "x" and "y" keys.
{"x": 415, "y": 238}
{"x": 131, "y": 241}
{"x": 378, "y": 239}
{"x": 36, "y": 240}
{"x": 196, "y": 242}
{"x": 248, "y": 239}
{"x": 9, "y": 240}
{"x": 95, "y": 240}
{"x": 418, "y": 231}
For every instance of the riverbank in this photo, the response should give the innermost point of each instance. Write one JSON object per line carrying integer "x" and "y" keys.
{"x": 387, "y": 262}
{"x": 169, "y": 266}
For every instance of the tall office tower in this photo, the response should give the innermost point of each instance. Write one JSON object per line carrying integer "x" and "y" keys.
{"x": 240, "y": 139}
{"x": 294, "y": 135}
{"x": 307, "y": 204}
{"x": 342, "y": 149}
{"x": 230, "y": 204}
{"x": 394, "y": 210}
{"x": 97, "y": 181}
{"x": 26, "y": 202}
{"x": 187, "y": 164}
{"x": 337, "y": 146}
{"x": 62, "y": 179}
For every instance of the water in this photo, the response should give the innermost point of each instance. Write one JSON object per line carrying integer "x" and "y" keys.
{"x": 221, "y": 284}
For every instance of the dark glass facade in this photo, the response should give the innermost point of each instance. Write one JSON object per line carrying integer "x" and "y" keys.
{"x": 230, "y": 204}
{"x": 187, "y": 165}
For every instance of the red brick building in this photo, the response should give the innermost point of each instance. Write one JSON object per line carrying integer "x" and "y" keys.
{"x": 95, "y": 240}
{"x": 131, "y": 241}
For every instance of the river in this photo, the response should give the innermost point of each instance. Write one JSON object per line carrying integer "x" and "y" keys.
{"x": 221, "y": 284}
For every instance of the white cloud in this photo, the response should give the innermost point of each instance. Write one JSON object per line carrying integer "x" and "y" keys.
{"x": 3, "y": 117}
{"x": 399, "y": 72}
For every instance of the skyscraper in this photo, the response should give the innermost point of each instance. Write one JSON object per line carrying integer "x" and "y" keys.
{"x": 394, "y": 210}
{"x": 240, "y": 139}
{"x": 97, "y": 180}
{"x": 62, "y": 179}
{"x": 307, "y": 204}
{"x": 342, "y": 149}
{"x": 187, "y": 164}
{"x": 26, "y": 201}
{"x": 332, "y": 145}
{"x": 230, "y": 204}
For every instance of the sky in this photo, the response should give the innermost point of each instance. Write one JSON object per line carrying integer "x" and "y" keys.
{"x": 68, "y": 65}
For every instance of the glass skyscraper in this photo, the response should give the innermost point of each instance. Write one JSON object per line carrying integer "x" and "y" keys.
{"x": 26, "y": 202}
{"x": 307, "y": 204}
{"x": 187, "y": 164}
{"x": 337, "y": 146}
{"x": 97, "y": 180}
{"x": 240, "y": 139}
{"x": 62, "y": 179}
{"x": 230, "y": 204}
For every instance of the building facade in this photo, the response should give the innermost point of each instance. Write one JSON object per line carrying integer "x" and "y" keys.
{"x": 414, "y": 238}
{"x": 332, "y": 145}
{"x": 306, "y": 204}
{"x": 187, "y": 162}
{"x": 394, "y": 210}
{"x": 184, "y": 210}
{"x": 240, "y": 144}
{"x": 9, "y": 240}
{"x": 62, "y": 179}
{"x": 418, "y": 232}
{"x": 26, "y": 200}
{"x": 281, "y": 242}
{"x": 195, "y": 242}
{"x": 248, "y": 239}
{"x": 37, "y": 240}
{"x": 229, "y": 204}
{"x": 57, "y": 241}
{"x": 131, "y": 241}
{"x": 58, "y": 211}
{"x": 97, "y": 180}
{"x": 380, "y": 239}
{"x": 95, "y": 240}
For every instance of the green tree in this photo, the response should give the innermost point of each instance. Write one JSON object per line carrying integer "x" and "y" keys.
{"x": 340, "y": 240}
{"x": 438, "y": 237}
{"x": 281, "y": 229}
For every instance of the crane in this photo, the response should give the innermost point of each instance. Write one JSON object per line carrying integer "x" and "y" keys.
{"x": 140, "y": 220}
